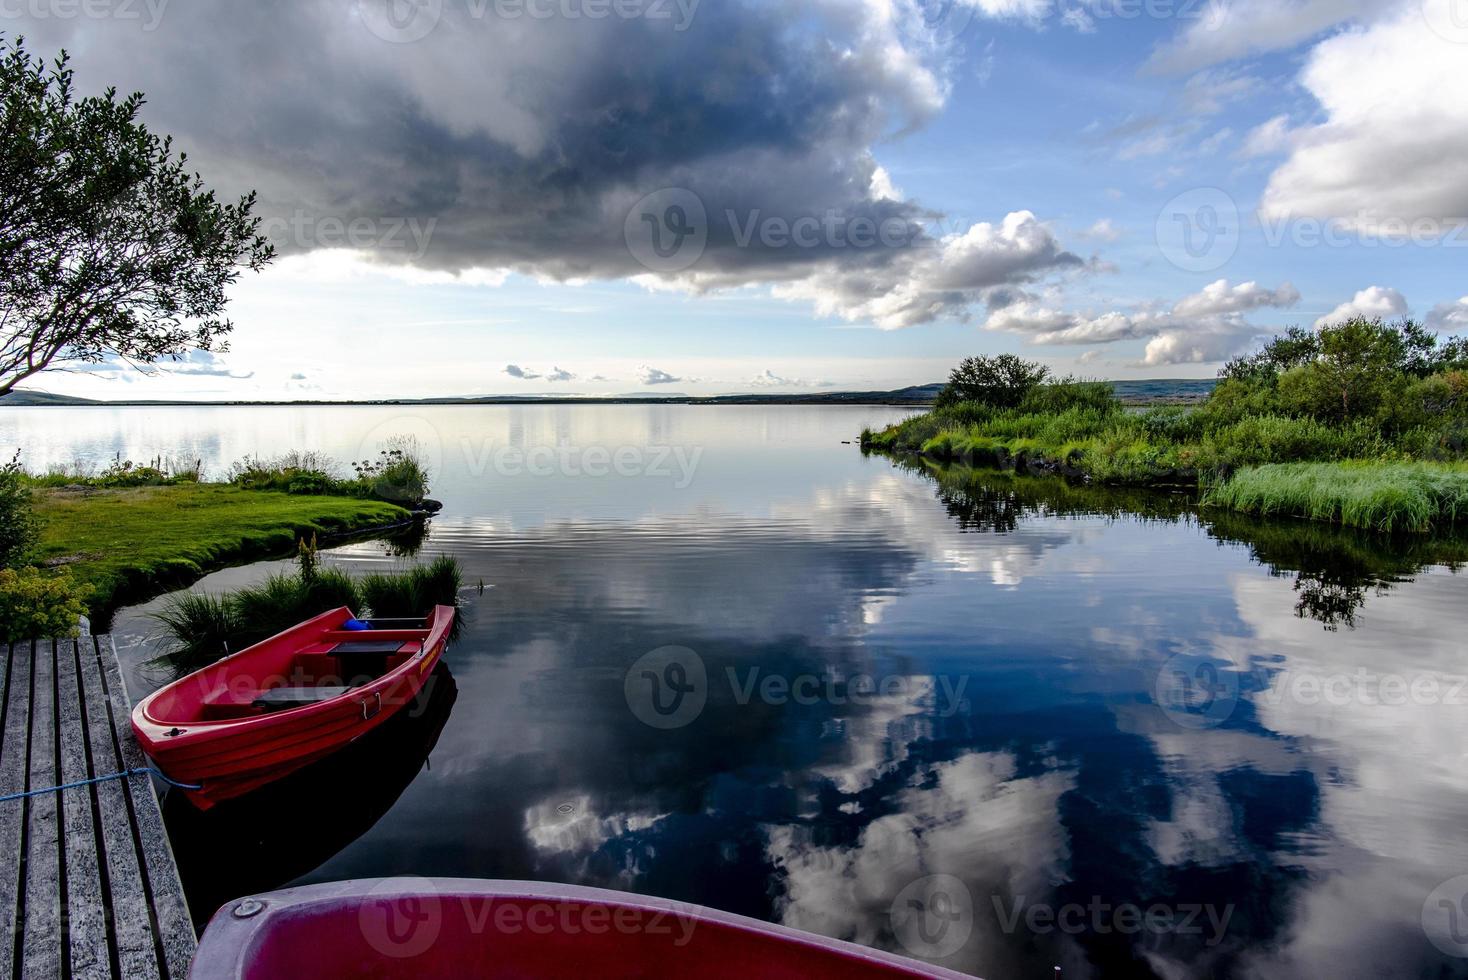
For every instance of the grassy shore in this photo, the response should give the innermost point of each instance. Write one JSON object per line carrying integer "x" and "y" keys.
{"x": 1265, "y": 464}
{"x": 1416, "y": 497}
{"x": 127, "y": 544}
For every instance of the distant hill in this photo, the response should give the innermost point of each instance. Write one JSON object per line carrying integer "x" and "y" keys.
{"x": 1177, "y": 391}
{"x": 1152, "y": 392}
{"x": 23, "y": 397}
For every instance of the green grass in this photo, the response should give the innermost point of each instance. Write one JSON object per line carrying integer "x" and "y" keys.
{"x": 1256, "y": 463}
{"x": 1416, "y": 497}
{"x": 128, "y": 544}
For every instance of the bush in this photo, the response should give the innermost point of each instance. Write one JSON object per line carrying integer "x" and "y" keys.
{"x": 1061, "y": 396}
{"x": 404, "y": 595}
{"x": 18, "y": 525}
{"x": 398, "y": 474}
{"x": 34, "y": 605}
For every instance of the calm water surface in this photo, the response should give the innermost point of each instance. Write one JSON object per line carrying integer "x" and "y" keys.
{"x": 999, "y": 724}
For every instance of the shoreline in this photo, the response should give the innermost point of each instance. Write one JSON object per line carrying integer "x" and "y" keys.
{"x": 131, "y": 545}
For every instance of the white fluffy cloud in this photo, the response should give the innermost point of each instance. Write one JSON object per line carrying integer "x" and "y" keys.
{"x": 1267, "y": 138}
{"x": 1219, "y": 31}
{"x": 1374, "y": 301}
{"x": 769, "y": 379}
{"x": 554, "y": 374}
{"x": 927, "y": 282}
{"x": 1219, "y": 297}
{"x": 1449, "y": 316}
{"x": 1393, "y": 149}
{"x": 655, "y": 376}
{"x": 1205, "y": 327}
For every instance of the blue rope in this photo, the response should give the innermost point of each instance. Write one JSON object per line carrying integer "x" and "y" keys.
{"x": 96, "y": 779}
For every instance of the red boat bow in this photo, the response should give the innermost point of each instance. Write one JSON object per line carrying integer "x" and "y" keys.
{"x": 449, "y": 928}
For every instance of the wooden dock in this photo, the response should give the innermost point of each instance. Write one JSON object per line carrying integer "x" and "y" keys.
{"x": 88, "y": 886}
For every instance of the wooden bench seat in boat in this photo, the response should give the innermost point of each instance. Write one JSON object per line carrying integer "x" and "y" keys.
{"x": 285, "y": 698}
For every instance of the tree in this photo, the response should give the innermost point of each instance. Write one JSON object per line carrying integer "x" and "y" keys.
{"x": 1294, "y": 348}
{"x": 109, "y": 247}
{"x": 999, "y": 382}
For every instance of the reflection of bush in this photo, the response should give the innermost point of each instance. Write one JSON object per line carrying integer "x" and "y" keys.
{"x": 1334, "y": 567}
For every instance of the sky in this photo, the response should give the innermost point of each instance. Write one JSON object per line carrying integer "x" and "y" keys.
{"x": 599, "y": 197}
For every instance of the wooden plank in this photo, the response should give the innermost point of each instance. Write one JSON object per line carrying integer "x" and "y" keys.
{"x": 86, "y": 914}
{"x": 41, "y": 954}
{"x": 12, "y": 780}
{"x": 131, "y": 921}
{"x": 171, "y": 911}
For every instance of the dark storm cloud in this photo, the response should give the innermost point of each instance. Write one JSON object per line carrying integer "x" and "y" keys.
{"x": 525, "y": 143}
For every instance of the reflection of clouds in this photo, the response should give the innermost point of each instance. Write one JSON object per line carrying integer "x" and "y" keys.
{"x": 972, "y": 818}
{"x": 571, "y": 826}
{"x": 1403, "y": 763}
{"x": 901, "y": 509}
{"x": 1391, "y": 779}
{"x": 880, "y": 737}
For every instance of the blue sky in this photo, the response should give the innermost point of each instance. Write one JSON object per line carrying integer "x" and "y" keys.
{"x": 1119, "y": 188}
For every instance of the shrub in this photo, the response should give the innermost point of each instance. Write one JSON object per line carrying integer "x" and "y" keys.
{"x": 34, "y": 605}
{"x": 414, "y": 592}
{"x": 18, "y": 525}
{"x": 1061, "y": 396}
{"x": 398, "y": 474}
{"x": 1172, "y": 424}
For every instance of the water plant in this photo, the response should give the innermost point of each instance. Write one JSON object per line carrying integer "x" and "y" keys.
{"x": 199, "y": 628}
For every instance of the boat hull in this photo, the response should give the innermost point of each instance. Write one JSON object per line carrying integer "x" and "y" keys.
{"x": 453, "y": 928}
{"x": 212, "y": 760}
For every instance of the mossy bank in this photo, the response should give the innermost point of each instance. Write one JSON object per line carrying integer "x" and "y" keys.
{"x": 125, "y": 545}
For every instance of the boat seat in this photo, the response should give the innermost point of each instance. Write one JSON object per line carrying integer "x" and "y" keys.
{"x": 366, "y": 648}
{"x": 285, "y": 698}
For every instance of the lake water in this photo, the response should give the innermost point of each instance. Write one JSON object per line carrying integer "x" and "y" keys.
{"x": 1002, "y": 724}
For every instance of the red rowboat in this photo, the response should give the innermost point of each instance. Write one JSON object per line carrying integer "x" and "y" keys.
{"x": 283, "y": 703}
{"x": 430, "y": 928}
